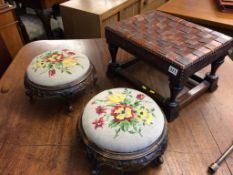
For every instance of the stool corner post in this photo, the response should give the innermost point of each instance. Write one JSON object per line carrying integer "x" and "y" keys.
{"x": 212, "y": 77}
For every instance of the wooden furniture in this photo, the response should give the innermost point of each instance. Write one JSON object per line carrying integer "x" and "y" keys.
{"x": 87, "y": 19}
{"x": 9, "y": 30}
{"x": 1, "y": 2}
{"x": 60, "y": 74}
{"x": 43, "y": 10}
{"x": 43, "y": 139}
{"x": 5, "y": 58}
{"x": 111, "y": 123}
{"x": 203, "y": 12}
{"x": 174, "y": 46}
{"x": 225, "y": 5}
{"x": 41, "y": 4}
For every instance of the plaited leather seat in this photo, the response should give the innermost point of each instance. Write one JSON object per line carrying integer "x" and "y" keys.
{"x": 176, "y": 47}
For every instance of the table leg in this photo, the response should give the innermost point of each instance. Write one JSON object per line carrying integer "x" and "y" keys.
{"x": 45, "y": 16}
{"x": 172, "y": 105}
{"x": 212, "y": 77}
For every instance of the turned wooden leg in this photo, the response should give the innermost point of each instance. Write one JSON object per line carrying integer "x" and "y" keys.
{"x": 172, "y": 105}
{"x": 113, "y": 65}
{"x": 212, "y": 77}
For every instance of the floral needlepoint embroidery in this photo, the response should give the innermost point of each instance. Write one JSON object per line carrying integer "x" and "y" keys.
{"x": 98, "y": 122}
{"x": 124, "y": 112}
{"x": 100, "y": 110}
{"x": 140, "y": 96}
{"x": 52, "y": 72}
{"x": 54, "y": 61}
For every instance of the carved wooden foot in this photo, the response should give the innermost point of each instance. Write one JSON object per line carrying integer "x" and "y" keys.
{"x": 158, "y": 161}
{"x": 96, "y": 169}
{"x": 69, "y": 104}
{"x": 30, "y": 95}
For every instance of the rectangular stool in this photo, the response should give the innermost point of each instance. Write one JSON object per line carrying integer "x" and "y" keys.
{"x": 176, "y": 47}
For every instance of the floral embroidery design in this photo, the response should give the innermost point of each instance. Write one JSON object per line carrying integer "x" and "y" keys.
{"x": 123, "y": 112}
{"x": 98, "y": 122}
{"x": 54, "y": 61}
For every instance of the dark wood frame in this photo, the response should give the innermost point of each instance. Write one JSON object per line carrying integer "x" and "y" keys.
{"x": 66, "y": 91}
{"x": 123, "y": 162}
{"x": 173, "y": 104}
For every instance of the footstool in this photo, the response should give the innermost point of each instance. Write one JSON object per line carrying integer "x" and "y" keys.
{"x": 58, "y": 73}
{"x": 176, "y": 47}
{"x": 124, "y": 129}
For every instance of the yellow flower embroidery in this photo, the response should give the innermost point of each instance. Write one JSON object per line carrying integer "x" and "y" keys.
{"x": 149, "y": 119}
{"x": 122, "y": 112}
{"x": 116, "y": 98}
{"x": 70, "y": 62}
{"x": 144, "y": 115}
{"x": 38, "y": 64}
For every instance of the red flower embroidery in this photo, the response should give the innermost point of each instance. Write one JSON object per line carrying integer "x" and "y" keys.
{"x": 98, "y": 123}
{"x": 52, "y": 72}
{"x": 55, "y": 58}
{"x": 140, "y": 96}
{"x": 123, "y": 112}
{"x": 100, "y": 109}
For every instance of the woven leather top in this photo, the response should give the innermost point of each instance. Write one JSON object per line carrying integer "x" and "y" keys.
{"x": 174, "y": 39}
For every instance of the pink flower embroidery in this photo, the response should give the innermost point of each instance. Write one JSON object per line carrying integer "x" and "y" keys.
{"x": 98, "y": 123}
{"x": 140, "y": 96}
{"x": 68, "y": 52}
{"x": 100, "y": 109}
{"x": 52, "y": 72}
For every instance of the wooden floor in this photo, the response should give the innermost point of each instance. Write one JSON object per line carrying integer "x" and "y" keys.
{"x": 39, "y": 140}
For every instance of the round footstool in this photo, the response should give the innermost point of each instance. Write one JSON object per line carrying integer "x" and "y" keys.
{"x": 58, "y": 73}
{"x": 124, "y": 129}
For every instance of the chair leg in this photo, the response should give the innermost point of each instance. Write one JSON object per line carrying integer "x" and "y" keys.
{"x": 45, "y": 16}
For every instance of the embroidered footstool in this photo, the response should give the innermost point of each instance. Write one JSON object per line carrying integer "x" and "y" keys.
{"x": 58, "y": 73}
{"x": 124, "y": 129}
{"x": 176, "y": 47}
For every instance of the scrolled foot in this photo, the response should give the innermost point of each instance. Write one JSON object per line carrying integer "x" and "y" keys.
{"x": 158, "y": 161}
{"x": 70, "y": 108}
{"x": 96, "y": 170}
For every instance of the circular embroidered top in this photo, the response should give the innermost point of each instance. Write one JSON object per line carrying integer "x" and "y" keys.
{"x": 122, "y": 120}
{"x": 57, "y": 67}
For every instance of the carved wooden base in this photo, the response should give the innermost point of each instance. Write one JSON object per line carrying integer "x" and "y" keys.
{"x": 125, "y": 161}
{"x": 66, "y": 92}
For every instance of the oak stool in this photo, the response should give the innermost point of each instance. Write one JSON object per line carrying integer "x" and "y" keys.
{"x": 124, "y": 129}
{"x": 58, "y": 73}
{"x": 176, "y": 47}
